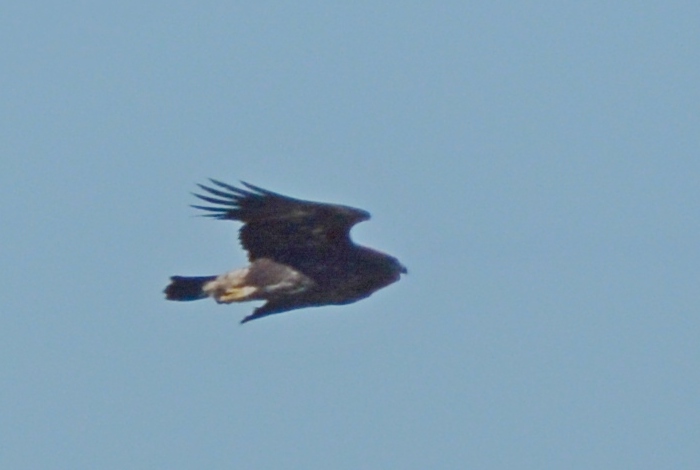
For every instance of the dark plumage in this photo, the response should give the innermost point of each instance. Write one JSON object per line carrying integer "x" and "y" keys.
{"x": 301, "y": 253}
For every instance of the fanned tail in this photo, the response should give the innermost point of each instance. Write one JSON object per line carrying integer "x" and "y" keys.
{"x": 187, "y": 288}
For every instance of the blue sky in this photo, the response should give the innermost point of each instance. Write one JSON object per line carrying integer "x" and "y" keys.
{"x": 535, "y": 165}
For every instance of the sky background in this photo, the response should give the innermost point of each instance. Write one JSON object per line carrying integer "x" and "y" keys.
{"x": 534, "y": 164}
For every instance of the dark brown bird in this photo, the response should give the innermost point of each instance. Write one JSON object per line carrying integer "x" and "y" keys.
{"x": 300, "y": 254}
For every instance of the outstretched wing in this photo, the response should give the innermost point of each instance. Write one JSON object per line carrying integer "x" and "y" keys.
{"x": 287, "y": 230}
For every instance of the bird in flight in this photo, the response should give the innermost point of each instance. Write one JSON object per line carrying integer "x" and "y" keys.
{"x": 300, "y": 254}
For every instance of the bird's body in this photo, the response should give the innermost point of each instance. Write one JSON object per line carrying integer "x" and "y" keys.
{"x": 301, "y": 254}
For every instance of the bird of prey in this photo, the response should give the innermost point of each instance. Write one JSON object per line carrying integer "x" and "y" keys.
{"x": 300, "y": 254}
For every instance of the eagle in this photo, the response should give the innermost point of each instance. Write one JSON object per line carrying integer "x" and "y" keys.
{"x": 300, "y": 253}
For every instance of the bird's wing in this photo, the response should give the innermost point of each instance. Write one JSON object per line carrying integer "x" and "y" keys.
{"x": 281, "y": 228}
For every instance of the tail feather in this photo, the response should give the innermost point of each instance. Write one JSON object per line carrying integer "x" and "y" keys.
{"x": 187, "y": 288}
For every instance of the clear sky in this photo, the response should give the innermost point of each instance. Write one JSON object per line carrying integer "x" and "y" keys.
{"x": 534, "y": 164}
